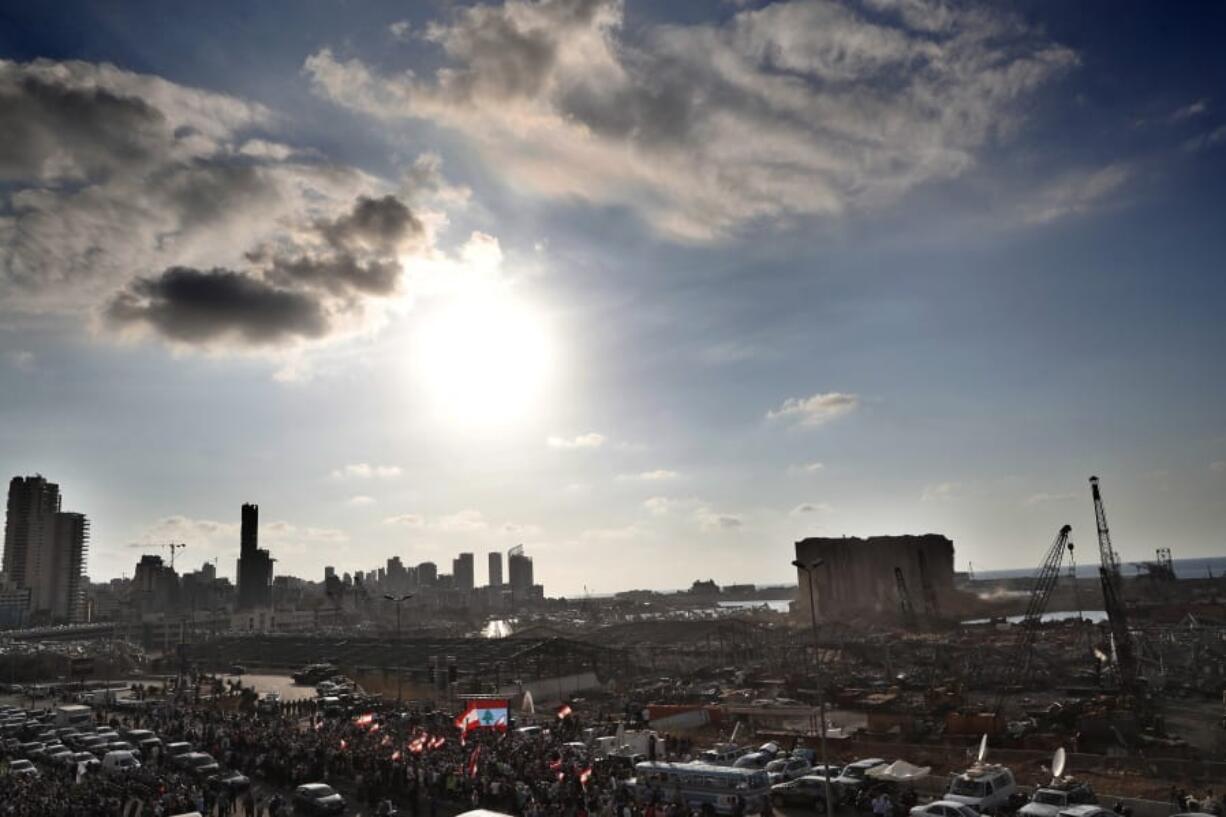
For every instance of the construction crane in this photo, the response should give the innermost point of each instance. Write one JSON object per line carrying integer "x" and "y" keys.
{"x": 173, "y": 547}
{"x": 1113, "y": 598}
{"x": 1040, "y": 594}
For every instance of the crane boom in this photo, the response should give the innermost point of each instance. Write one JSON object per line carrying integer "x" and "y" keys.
{"x": 1113, "y": 599}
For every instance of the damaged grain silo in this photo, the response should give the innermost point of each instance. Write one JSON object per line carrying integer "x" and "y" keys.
{"x": 877, "y": 576}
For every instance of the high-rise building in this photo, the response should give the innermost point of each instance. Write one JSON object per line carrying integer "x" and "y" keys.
{"x": 254, "y": 564}
{"x": 329, "y": 572}
{"x": 463, "y": 571}
{"x": 427, "y": 574}
{"x": 45, "y": 550}
{"x": 495, "y": 558}
{"x": 519, "y": 571}
{"x": 32, "y": 505}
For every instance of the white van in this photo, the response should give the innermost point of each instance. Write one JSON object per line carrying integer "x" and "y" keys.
{"x": 983, "y": 787}
{"x": 119, "y": 763}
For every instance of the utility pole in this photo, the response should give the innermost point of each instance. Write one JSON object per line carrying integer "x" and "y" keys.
{"x": 398, "y": 600}
{"x": 817, "y": 663}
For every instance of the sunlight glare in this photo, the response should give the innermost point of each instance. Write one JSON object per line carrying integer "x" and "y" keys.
{"x": 485, "y": 359}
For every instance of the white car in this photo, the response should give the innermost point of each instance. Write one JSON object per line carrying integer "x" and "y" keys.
{"x": 787, "y": 768}
{"x": 23, "y": 767}
{"x": 944, "y": 808}
{"x": 119, "y": 763}
{"x": 1087, "y": 811}
{"x": 1049, "y": 801}
{"x": 982, "y": 787}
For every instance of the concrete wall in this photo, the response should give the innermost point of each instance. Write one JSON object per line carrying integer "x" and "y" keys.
{"x": 857, "y": 575}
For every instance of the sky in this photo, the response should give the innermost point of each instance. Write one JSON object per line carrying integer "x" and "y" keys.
{"x": 653, "y": 289}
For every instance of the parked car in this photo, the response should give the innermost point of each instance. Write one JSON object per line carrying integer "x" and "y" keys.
{"x": 91, "y": 763}
{"x": 1049, "y": 801}
{"x": 119, "y": 763}
{"x": 855, "y": 775}
{"x": 787, "y": 768}
{"x": 809, "y": 790}
{"x": 121, "y": 746}
{"x": 23, "y": 767}
{"x": 944, "y": 808}
{"x": 57, "y": 754}
{"x": 177, "y": 749}
{"x": 753, "y": 760}
{"x": 983, "y": 787}
{"x": 200, "y": 764}
{"x": 1087, "y": 810}
{"x": 317, "y": 798}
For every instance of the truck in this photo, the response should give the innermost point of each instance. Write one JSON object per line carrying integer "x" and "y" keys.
{"x": 75, "y": 715}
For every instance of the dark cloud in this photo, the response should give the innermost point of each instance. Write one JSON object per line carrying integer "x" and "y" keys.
{"x": 381, "y": 225}
{"x": 54, "y": 130}
{"x": 296, "y": 290}
{"x": 340, "y": 274}
{"x": 198, "y": 306}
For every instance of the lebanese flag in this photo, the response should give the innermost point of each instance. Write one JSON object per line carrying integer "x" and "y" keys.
{"x": 472, "y": 762}
{"x": 585, "y": 776}
{"x": 565, "y": 712}
{"x": 484, "y": 714}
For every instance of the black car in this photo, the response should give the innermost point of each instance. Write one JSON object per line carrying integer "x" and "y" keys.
{"x": 809, "y": 790}
{"x": 317, "y": 798}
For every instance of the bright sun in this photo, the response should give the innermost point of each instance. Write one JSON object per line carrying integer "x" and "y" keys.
{"x": 485, "y": 359}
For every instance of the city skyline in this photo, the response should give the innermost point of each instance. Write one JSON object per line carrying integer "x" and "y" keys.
{"x": 616, "y": 281}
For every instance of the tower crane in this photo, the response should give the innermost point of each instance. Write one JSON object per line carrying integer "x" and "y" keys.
{"x": 174, "y": 546}
{"x": 1113, "y": 599}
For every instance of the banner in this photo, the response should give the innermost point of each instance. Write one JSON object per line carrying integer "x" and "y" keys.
{"x": 484, "y": 714}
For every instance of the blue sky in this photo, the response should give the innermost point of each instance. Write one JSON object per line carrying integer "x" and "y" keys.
{"x": 654, "y": 296}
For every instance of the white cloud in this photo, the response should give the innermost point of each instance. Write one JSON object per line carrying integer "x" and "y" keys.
{"x": 806, "y": 468}
{"x": 656, "y": 475}
{"x": 1218, "y": 466}
{"x": 816, "y": 409}
{"x": 359, "y": 501}
{"x": 1075, "y": 194}
{"x": 941, "y": 491}
{"x": 363, "y": 470}
{"x": 1191, "y": 110}
{"x": 408, "y": 520}
{"x": 20, "y": 359}
{"x": 796, "y": 109}
{"x": 1043, "y": 498}
{"x": 664, "y": 505}
{"x": 465, "y": 521}
{"x": 588, "y": 440}
{"x": 401, "y": 30}
{"x": 1213, "y": 138}
{"x": 709, "y": 519}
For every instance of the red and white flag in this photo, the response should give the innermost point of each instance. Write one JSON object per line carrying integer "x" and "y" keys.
{"x": 565, "y": 712}
{"x": 473, "y": 760}
{"x": 585, "y": 776}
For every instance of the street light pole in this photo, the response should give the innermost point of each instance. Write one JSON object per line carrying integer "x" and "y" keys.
{"x": 817, "y": 663}
{"x": 399, "y": 675}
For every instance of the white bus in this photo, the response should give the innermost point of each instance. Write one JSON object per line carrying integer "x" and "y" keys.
{"x": 697, "y": 784}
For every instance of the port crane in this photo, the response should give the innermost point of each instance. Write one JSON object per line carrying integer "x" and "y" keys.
{"x": 1113, "y": 599}
{"x": 1040, "y": 594}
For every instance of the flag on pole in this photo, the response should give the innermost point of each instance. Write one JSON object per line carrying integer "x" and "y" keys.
{"x": 565, "y": 712}
{"x": 585, "y": 776}
{"x": 473, "y": 760}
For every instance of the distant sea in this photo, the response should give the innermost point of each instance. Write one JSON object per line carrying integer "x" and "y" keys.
{"x": 1184, "y": 569}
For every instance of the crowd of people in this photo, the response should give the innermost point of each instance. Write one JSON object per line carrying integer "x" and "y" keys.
{"x": 385, "y": 760}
